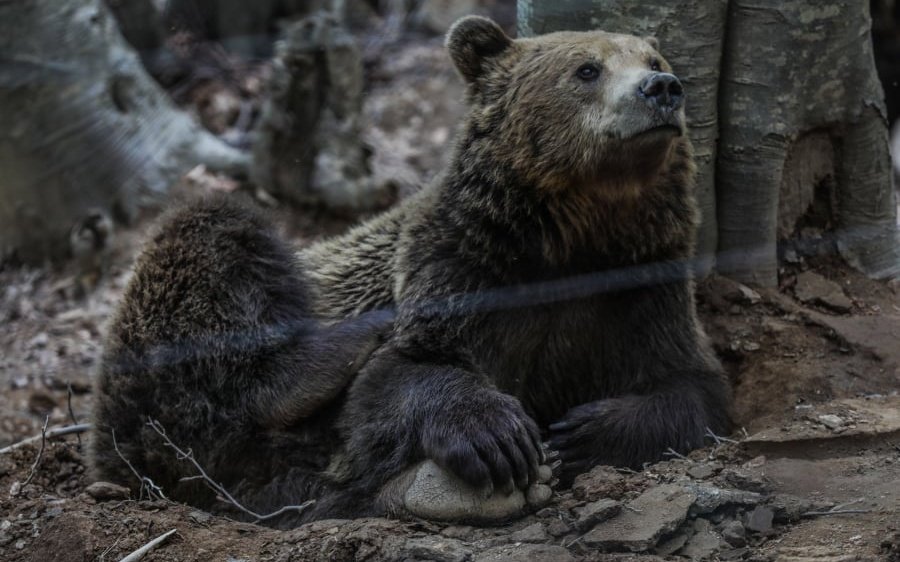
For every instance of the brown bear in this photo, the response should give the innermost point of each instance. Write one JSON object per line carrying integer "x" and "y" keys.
{"x": 541, "y": 288}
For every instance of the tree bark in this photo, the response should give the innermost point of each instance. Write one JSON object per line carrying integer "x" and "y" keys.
{"x": 792, "y": 69}
{"x": 82, "y": 127}
{"x": 790, "y": 89}
{"x": 308, "y": 147}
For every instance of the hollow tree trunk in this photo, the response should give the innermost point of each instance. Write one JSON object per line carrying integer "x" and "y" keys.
{"x": 791, "y": 70}
{"x": 82, "y": 127}
{"x": 800, "y": 113}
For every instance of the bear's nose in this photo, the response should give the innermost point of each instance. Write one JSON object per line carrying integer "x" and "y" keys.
{"x": 663, "y": 89}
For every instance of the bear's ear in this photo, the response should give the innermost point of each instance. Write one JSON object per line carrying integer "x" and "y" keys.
{"x": 472, "y": 41}
{"x": 654, "y": 42}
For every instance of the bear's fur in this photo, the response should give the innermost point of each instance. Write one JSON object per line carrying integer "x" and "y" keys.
{"x": 542, "y": 282}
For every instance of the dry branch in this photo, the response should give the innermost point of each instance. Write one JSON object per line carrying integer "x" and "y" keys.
{"x": 670, "y": 452}
{"x": 40, "y": 455}
{"x": 146, "y": 482}
{"x": 718, "y": 438}
{"x": 51, "y": 433}
{"x": 838, "y": 510}
{"x": 215, "y": 486}
{"x": 139, "y": 553}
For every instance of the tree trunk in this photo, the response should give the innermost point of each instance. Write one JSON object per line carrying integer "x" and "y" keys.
{"x": 308, "y": 147}
{"x": 246, "y": 28}
{"x": 810, "y": 71}
{"x": 82, "y": 127}
{"x": 800, "y": 113}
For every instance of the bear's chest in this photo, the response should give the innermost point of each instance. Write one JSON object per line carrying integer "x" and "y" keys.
{"x": 557, "y": 355}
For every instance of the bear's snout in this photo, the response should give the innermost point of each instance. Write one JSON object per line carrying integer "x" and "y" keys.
{"x": 663, "y": 90}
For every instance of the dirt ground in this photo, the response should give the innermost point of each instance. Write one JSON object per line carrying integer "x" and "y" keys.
{"x": 812, "y": 474}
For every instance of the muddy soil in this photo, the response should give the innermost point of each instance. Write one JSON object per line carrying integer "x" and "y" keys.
{"x": 813, "y": 472}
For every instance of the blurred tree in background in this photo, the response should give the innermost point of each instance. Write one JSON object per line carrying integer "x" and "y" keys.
{"x": 787, "y": 113}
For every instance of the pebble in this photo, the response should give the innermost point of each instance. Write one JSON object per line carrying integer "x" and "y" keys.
{"x": 558, "y": 528}
{"x": 436, "y": 548}
{"x": 702, "y": 471}
{"x": 831, "y": 421}
{"x": 734, "y": 534}
{"x": 760, "y": 520}
{"x": 813, "y": 288}
{"x": 704, "y": 544}
{"x": 107, "y": 491}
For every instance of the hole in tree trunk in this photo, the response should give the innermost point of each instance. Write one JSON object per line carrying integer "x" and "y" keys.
{"x": 120, "y": 91}
{"x": 807, "y": 198}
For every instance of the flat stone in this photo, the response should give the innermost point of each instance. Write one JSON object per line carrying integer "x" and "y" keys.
{"x": 675, "y": 542}
{"x": 704, "y": 543}
{"x": 655, "y": 513}
{"x": 734, "y": 554}
{"x": 526, "y": 553}
{"x": 831, "y": 421}
{"x": 812, "y": 288}
{"x": 438, "y": 549}
{"x": 760, "y": 520}
{"x": 703, "y": 471}
{"x": 200, "y": 517}
{"x": 532, "y": 533}
{"x": 588, "y": 516}
{"x": 458, "y": 531}
{"x": 790, "y": 508}
{"x": 107, "y": 491}
{"x": 873, "y": 417}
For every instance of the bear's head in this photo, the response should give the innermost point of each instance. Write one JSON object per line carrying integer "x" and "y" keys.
{"x": 586, "y": 111}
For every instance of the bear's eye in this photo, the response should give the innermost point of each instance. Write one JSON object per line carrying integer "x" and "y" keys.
{"x": 654, "y": 65}
{"x": 588, "y": 72}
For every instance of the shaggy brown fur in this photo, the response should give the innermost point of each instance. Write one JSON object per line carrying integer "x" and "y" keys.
{"x": 541, "y": 284}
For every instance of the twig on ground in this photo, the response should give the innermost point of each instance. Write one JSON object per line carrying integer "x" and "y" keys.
{"x": 835, "y": 512}
{"x": 71, "y": 411}
{"x": 40, "y": 455}
{"x": 139, "y": 553}
{"x": 838, "y": 510}
{"x": 103, "y": 554}
{"x": 215, "y": 486}
{"x": 51, "y": 433}
{"x": 670, "y": 452}
{"x": 575, "y": 541}
{"x": 153, "y": 491}
{"x": 718, "y": 439}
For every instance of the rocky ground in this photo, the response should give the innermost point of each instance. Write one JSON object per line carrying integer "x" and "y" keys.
{"x": 811, "y": 475}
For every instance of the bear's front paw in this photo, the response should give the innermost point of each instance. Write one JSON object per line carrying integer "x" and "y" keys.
{"x": 580, "y": 439}
{"x": 488, "y": 441}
